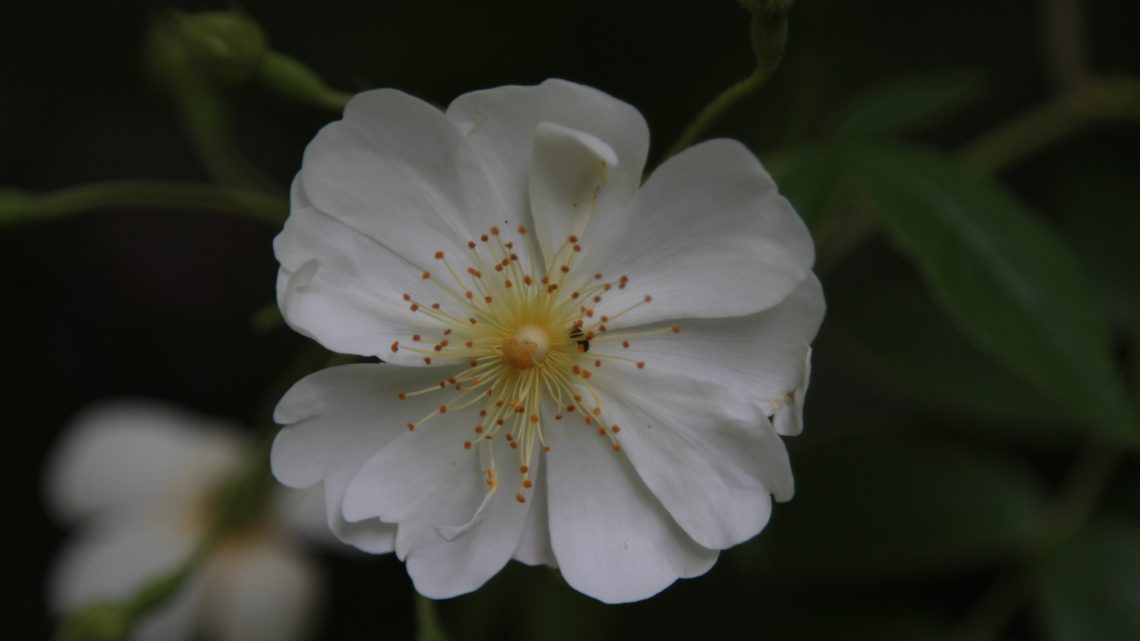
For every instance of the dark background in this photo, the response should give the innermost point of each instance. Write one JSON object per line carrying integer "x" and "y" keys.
{"x": 157, "y": 303}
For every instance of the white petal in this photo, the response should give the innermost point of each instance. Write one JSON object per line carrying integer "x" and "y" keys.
{"x": 345, "y": 289}
{"x": 534, "y": 546}
{"x": 612, "y": 538}
{"x": 260, "y": 591}
{"x": 127, "y": 453}
{"x": 707, "y": 236}
{"x": 762, "y": 358}
{"x": 500, "y": 125}
{"x": 569, "y": 174}
{"x": 710, "y": 460}
{"x": 338, "y": 418}
{"x": 430, "y": 484}
{"x": 118, "y": 554}
{"x": 398, "y": 171}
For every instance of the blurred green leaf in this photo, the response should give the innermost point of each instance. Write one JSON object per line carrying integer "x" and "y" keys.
{"x": 894, "y": 330}
{"x": 1091, "y": 588}
{"x": 1095, "y": 199}
{"x": 810, "y": 177}
{"x": 866, "y": 623}
{"x": 907, "y": 104}
{"x": 1007, "y": 280}
{"x": 893, "y": 507}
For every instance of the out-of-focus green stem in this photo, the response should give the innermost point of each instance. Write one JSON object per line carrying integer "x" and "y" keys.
{"x": 712, "y": 112}
{"x": 1098, "y": 101}
{"x": 769, "y": 32}
{"x": 1064, "y": 43}
{"x": 18, "y": 207}
{"x": 297, "y": 81}
{"x": 428, "y": 627}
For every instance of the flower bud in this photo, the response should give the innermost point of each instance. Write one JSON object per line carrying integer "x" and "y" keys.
{"x": 226, "y": 45}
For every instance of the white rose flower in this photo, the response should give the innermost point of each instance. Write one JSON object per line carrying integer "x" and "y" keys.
{"x": 140, "y": 477}
{"x": 581, "y": 371}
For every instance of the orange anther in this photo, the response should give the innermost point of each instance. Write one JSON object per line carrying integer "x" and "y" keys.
{"x": 523, "y": 469}
{"x": 676, "y": 329}
{"x": 401, "y": 396}
{"x": 439, "y": 255}
{"x": 615, "y": 429}
{"x": 395, "y": 346}
{"x": 545, "y": 448}
{"x": 427, "y": 360}
{"x": 625, "y": 344}
{"x": 640, "y": 364}
{"x": 520, "y": 498}
{"x": 466, "y": 445}
{"x": 411, "y": 426}
{"x": 408, "y": 297}
{"x": 572, "y": 238}
{"x": 527, "y": 483}
{"x": 443, "y": 409}
{"x": 494, "y": 231}
{"x": 416, "y": 338}
{"x": 522, "y": 230}
{"x": 617, "y": 448}
{"x": 426, "y": 275}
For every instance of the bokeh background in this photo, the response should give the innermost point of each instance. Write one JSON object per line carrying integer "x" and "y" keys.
{"x": 952, "y": 483}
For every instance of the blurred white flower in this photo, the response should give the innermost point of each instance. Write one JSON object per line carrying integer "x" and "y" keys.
{"x": 582, "y": 371}
{"x": 139, "y": 478}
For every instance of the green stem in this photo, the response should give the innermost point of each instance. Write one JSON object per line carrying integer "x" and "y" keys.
{"x": 297, "y": 81}
{"x": 769, "y": 33}
{"x": 712, "y": 111}
{"x": 1098, "y": 101}
{"x": 18, "y": 207}
{"x": 1064, "y": 43}
{"x": 428, "y": 626}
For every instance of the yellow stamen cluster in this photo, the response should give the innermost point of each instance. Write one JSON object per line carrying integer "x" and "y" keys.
{"x": 526, "y": 335}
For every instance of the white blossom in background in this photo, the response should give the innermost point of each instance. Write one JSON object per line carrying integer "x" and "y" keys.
{"x": 581, "y": 371}
{"x": 138, "y": 479}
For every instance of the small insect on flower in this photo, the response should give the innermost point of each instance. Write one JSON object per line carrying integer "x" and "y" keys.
{"x": 577, "y": 336}
{"x": 536, "y": 306}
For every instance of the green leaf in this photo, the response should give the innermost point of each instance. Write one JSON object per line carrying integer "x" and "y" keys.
{"x": 894, "y": 507}
{"x": 1094, "y": 197}
{"x": 860, "y": 622}
{"x": 1090, "y": 589}
{"x": 1007, "y": 280}
{"x": 893, "y": 329}
{"x": 810, "y": 177}
{"x": 907, "y": 104}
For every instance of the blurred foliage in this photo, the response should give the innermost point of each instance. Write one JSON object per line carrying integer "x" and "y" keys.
{"x": 976, "y": 231}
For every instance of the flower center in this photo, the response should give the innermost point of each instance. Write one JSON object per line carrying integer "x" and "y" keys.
{"x": 528, "y": 339}
{"x": 527, "y": 348}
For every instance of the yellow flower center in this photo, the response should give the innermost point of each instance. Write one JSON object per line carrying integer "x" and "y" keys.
{"x": 529, "y": 336}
